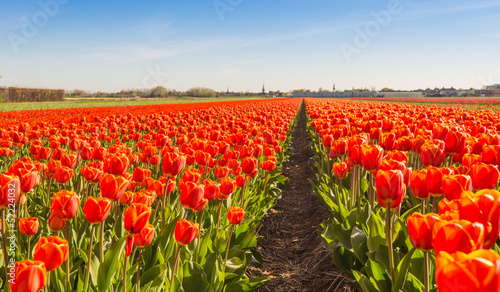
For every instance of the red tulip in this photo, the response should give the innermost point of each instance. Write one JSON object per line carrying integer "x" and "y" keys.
{"x": 371, "y": 157}
{"x": 53, "y": 251}
{"x": 457, "y": 235}
{"x": 431, "y": 155}
{"x": 340, "y": 170}
{"x": 483, "y": 207}
{"x": 191, "y": 194}
{"x": 461, "y": 272}
{"x": 28, "y": 226}
{"x": 136, "y": 217}
{"x": 454, "y": 185}
{"x": 418, "y": 184}
{"x": 390, "y": 187}
{"x": 484, "y": 176}
{"x": 29, "y": 276}
{"x": 65, "y": 204}
{"x": 97, "y": 209}
{"x": 420, "y": 230}
{"x": 173, "y": 164}
{"x": 185, "y": 231}
{"x": 144, "y": 238}
{"x": 113, "y": 187}
{"x": 235, "y": 215}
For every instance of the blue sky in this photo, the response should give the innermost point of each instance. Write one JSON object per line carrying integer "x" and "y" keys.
{"x": 113, "y": 45}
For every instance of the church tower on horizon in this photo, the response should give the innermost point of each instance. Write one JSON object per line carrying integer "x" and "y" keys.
{"x": 263, "y": 89}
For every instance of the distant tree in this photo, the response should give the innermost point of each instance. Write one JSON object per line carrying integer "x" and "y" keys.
{"x": 299, "y": 90}
{"x": 386, "y": 89}
{"x": 159, "y": 91}
{"x": 201, "y": 92}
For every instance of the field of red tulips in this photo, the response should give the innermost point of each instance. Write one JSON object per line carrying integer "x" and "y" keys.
{"x": 140, "y": 198}
{"x": 170, "y": 197}
{"x": 412, "y": 193}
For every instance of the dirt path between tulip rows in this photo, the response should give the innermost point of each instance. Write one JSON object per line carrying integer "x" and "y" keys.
{"x": 295, "y": 257}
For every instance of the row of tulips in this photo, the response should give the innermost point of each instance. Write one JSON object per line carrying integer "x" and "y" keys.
{"x": 154, "y": 201}
{"x": 412, "y": 192}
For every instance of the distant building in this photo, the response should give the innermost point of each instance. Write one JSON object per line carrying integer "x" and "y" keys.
{"x": 448, "y": 92}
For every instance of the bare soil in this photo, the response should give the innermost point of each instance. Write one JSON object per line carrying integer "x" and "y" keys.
{"x": 295, "y": 257}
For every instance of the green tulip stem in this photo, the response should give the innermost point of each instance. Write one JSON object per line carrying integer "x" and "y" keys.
{"x": 199, "y": 239}
{"x": 175, "y": 267}
{"x": 426, "y": 271}
{"x": 87, "y": 273}
{"x": 227, "y": 248}
{"x": 68, "y": 259}
{"x": 388, "y": 223}
{"x": 125, "y": 275}
{"x": 164, "y": 204}
{"x": 139, "y": 271}
{"x": 243, "y": 189}
{"x": 218, "y": 218}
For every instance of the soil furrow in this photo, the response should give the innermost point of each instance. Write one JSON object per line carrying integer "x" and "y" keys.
{"x": 295, "y": 257}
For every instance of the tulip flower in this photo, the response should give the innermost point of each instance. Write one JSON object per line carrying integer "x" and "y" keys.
{"x": 136, "y": 217}
{"x": 63, "y": 174}
{"x": 454, "y": 185}
{"x": 227, "y": 187}
{"x": 29, "y": 276}
{"x": 235, "y": 215}
{"x": 9, "y": 190}
{"x": 431, "y": 155}
{"x": 144, "y": 238}
{"x": 65, "y": 204}
{"x": 484, "y": 176}
{"x": 28, "y": 180}
{"x": 389, "y": 141}
{"x": 455, "y": 142}
{"x": 268, "y": 165}
{"x": 211, "y": 190}
{"x": 53, "y": 251}
{"x": 371, "y": 157}
{"x": 469, "y": 160}
{"x": 91, "y": 174}
{"x": 191, "y": 175}
{"x": 420, "y": 229}
{"x": 249, "y": 165}
{"x": 340, "y": 170}
{"x": 390, "y": 193}
{"x": 191, "y": 194}
{"x": 87, "y": 153}
{"x": 116, "y": 165}
{"x": 491, "y": 154}
{"x": 55, "y": 223}
{"x": 140, "y": 174}
{"x": 483, "y": 207}
{"x": 173, "y": 164}
{"x": 113, "y": 187}
{"x": 390, "y": 187}
{"x": 462, "y": 272}
{"x": 448, "y": 210}
{"x": 435, "y": 180}
{"x": 97, "y": 209}
{"x": 418, "y": 184}
{"x": 69, "y": 160}
{"x": 28, "y": 226}
{"x": 185, "y": 231}
{"x": 440, "y": 132}
{"x": 355, "y": 155}
{"x": 457, "y": 235}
